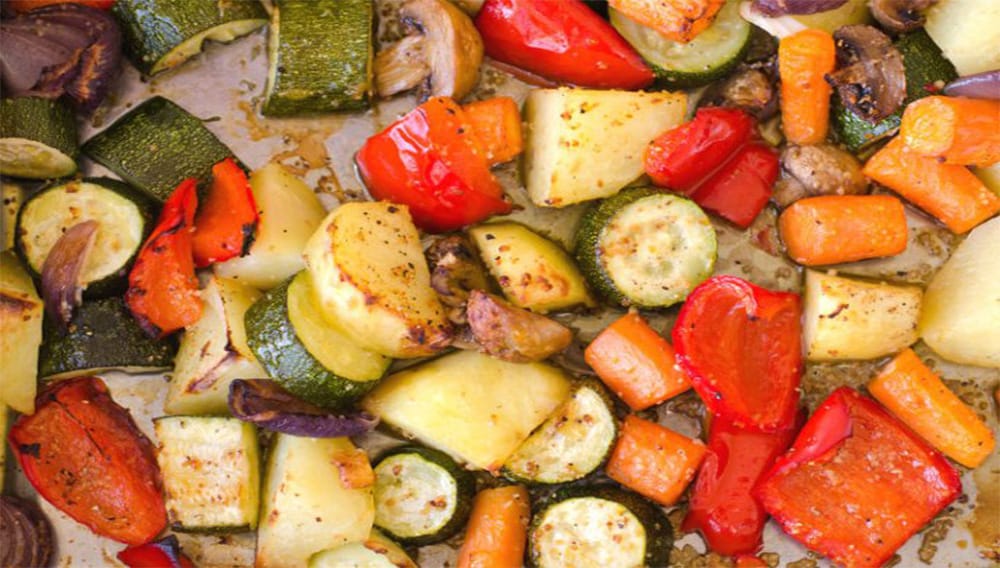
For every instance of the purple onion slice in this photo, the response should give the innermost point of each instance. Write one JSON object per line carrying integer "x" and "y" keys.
{"x": 264, "y": 403}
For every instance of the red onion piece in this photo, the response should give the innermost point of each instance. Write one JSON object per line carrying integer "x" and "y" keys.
{"x": 784, "y": 7}
{"x": 25, "y": 533}
{"x": 985, "y": 85}
{"x": 271, "y": 407}
{"x": 62, "y": 290}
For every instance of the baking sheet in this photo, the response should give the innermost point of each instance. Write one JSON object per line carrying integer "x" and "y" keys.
{"x": 224, "y": 87}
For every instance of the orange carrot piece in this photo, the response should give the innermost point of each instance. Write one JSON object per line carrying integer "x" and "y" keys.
{"x": 497, "y": 124}
{"x": 916, "y": 395}
{"x": 654, "y": 461}
{"x": 804, "y": 58}
{"x": 958, "y": 130}
{"x": 636, "y": 363}
{"x": 497, "y": 529}
{"x": 830, "y": 229}
{"x": 953, "y": 194}
{"x": 679, "y": 20}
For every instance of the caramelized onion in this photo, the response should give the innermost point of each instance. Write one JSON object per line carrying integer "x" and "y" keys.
{"x": 900, "y": 15}
{"x": 62, "y": 290}
{"x": 784, "y": 7}
{"x": 511, "y": 333}
{"x": 25, "y": 534}
{"x": 271, "y": 407}
{"x": 984, "y": 85}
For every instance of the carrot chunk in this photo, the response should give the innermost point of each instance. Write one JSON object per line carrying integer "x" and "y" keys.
{"x": 916, "y": 395}
{"x": 654, "y": 461}
{"x": 497, "y": 530}
{"x": 958, "y": 130}
{"x": 830, "y": 229}
{"x": 953, "y": 194}
{"x": 804, "y": 58}
{"x": 496, "y": 123}
{"x": 679, "y": 20}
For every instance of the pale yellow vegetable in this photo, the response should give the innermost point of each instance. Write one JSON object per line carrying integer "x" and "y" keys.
{"x": 12, "y": 195}
{"x": 990, "y": 176}
{"x": 375, "y": 552}
{"x": 20, "y": 335}
{"x": 968, "y": 33}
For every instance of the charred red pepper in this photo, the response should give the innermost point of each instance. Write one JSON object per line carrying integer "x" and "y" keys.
{"x": 226, "y": 221}
{"x": 564, "y": 41}
{"x": 84, "y": 454}
{"x": 857, "y": 483}
{"x": 740, "y": 346}
{"x": 162, "y": 287}
{"x": 164, "y": 553}
{"x": 721, "y": 506}
{"x": 713, "y": 160}
{"x": 431, "y": 161}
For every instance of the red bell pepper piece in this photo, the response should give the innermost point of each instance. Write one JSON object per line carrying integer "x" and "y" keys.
{"x": 162, "y": 287}
{"x": 562, "y": 40}
{"x": 857, "y": 483}
{"x": 684, "y": 157}
{"x": 84, "y": 454}
{"x": 226, "y": 221}
{"x": 164, "y": 553}
{"x": 741, "y": 188}
{"x": 431, "y": 161}
{"x": 721, "y": 506}
{"x": 739, "y": 344}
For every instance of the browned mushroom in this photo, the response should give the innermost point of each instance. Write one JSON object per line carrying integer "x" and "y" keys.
{"x": 441, "y": 57}
{"x": 900, "y": 15}
{"x": 455, "y": 271}
{"x": 870, "y": 76}
{"x": 817, "y": 170}
{"x": 507, "y": 332}
{"x": 750, "y": 89}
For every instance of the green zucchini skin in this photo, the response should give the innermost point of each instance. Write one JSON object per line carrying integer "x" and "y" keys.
{"x": 465, "y": 485}
{"x": 152, "y": 29}
{"x": 157, "y": 145}
{"x": 274, "y": 342}
{"x": 102, "y": 335}
{"x": 47, "y": 122}
{"x": 114, "y": 283}
{"x": 321, "y": 57}
{"x": 659, "y": 532}
{"x": 925, "y": 65}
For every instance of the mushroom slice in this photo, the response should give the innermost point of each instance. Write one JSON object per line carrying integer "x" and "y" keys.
{"x": 900, "y": 15}
{"x": 442, "y": 57}
{"x": 870, "y": 78}
{"x": 513, "y": 334}
{"x": 749, "y": 89}
{"x": 818, "y": 170}
{"x": 456, "y": 270}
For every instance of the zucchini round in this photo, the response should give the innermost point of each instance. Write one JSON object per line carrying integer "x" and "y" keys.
{"x": 37, "y": 138}
{"x": 572, "y": 443}
{"x": 421, "y": 495}
{"x": 306, "y": 354}
{"x": 645, "y": 248}
{"x": 125, "y": 217}
{"x": 706, "y": 58}
{"x": 598, "y": 526}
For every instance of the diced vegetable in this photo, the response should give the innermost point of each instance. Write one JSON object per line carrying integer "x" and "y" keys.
{"x": 227, "y": 219}
{"x": 740, "y": 346}
{"x": 584, "y": 144}
{"x": 37, "y": 138}
{"x": 211, "y": 472}
{"x": 580, "y": 48}
{"x": 856, "y": 484}
{"x": 916, "y": 395}
{"x": 496, "y": 123}
{"x": 317, "y": 494}
{"x": 165, "y": 552}
{"x": 497, "y": 531}
{"x": 20, "y": 335}
{"x": 846, "y": 318}
{"x": 961, "y": 307}
{"x": 514, "y": 334}
{"x": 954, "y": 130}
{"x": 636, "y": 363}
{"x": 654, "y": 461}
{"x": 533, "y": 272}
{"x": 951, "y": 193}
{"x": 831, "y": 229}
{"x": 376, "y": 551}
{"x": 968, "y": 32}
{"x": 289, "y": 214}
{"x": 804, "y": 59}
{"x": 678, "y": 20}
{"x": 476, "y": 408}
{"x": 264, "y": 403}
{"x": 741, "y": 188}
{"x": 370, "y": 277}
{"x": 84, "y": 454}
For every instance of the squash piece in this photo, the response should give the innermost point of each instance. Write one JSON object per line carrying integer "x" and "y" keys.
{"x": 20, "y": 335}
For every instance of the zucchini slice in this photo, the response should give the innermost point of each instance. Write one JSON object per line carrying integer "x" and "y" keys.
{"x": 211, "y": 472}
{"x": 706, "y": 58}
{"x": 375, "y": 552}
{"x": 646, "y": 248}
{"x": 20, "y": 335}
{"x": 321, "y": 54}
{"x": 37, "y": 138}
{"x": 421, "y": 495}
{"x": 162, "y": 34}
{"x": 309, "y": 356}
{"x": 572, "y": 443}
{"x": 102, "y": 335}
{"x": 124, "y": 215}
{"x": 157, "y": 145}
{"x": 598, "y": 526}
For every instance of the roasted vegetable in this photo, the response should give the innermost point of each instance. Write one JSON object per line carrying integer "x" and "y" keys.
{"x": 264, "y": 403}
{"x": 25, "y": 533}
